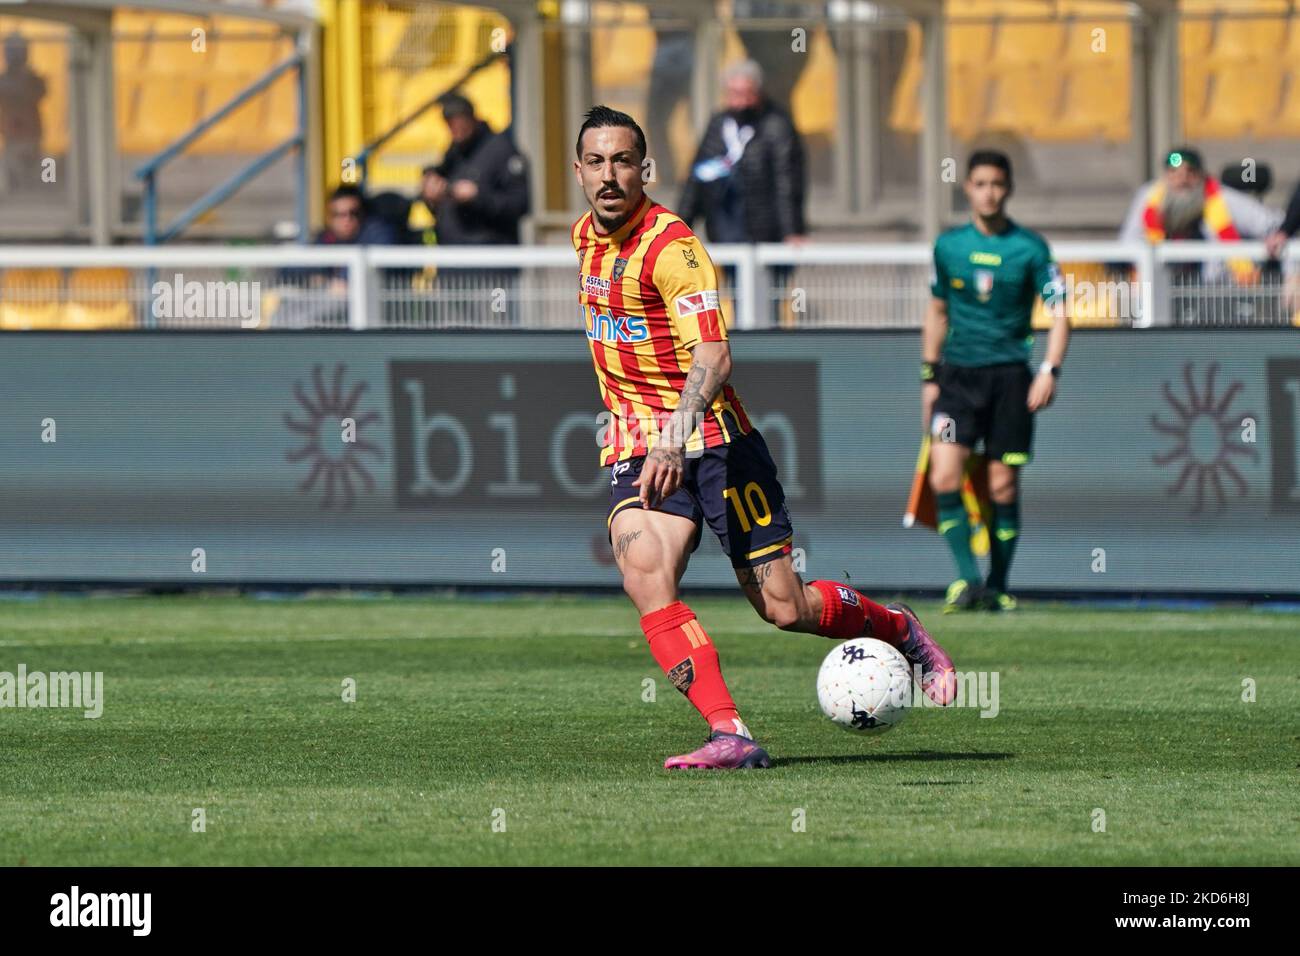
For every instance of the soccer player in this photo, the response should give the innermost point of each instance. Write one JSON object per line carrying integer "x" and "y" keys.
{"x": 682, "y": 451}
{"x": 976, "y": 381}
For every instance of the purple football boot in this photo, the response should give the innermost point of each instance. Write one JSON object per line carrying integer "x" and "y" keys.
{"x": 723, "y": 752}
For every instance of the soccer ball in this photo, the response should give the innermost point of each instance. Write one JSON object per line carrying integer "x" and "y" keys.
{"x": 865, "y": 685}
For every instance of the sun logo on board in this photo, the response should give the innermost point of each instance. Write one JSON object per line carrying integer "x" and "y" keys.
{"x": 1207, "y": 434}
{"x": 331, "y": 431}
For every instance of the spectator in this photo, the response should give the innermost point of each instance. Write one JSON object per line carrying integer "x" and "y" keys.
{"x": 348, "y": 222}
{"x": 1186, "y": 203}
{"x": 21, "y": 92}
{"x": 1277, "y": 240}
{"x": 479, "y": 192}
{"x": 748, "y": 176}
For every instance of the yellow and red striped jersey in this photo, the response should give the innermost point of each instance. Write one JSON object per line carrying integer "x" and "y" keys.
{"x": 648, "y": 294}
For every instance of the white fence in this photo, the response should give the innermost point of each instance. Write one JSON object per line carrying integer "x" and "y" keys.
{"x": 765, "y": 286}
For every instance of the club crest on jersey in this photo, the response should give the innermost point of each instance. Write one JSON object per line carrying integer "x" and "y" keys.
{"x": 615, "y": 328}
{"x": 848, "y": 595}
{"x": 619, "y": 266}
{"x": 595, "y": 285}
{"x": 689, "y": 255}
{"x": 983, "y": 284}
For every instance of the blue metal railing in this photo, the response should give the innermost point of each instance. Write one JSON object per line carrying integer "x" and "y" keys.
{"x": 149, "y": 171}
{"x": 363, "y": 157}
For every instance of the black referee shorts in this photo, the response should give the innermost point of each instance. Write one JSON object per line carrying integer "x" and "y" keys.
{"x": 986, "y": 402}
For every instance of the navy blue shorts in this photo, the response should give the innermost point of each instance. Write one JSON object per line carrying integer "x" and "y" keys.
{"x": 733, "y": 487}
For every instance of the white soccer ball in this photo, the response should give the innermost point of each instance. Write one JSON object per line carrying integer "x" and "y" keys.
{"x": 865, "y": 685}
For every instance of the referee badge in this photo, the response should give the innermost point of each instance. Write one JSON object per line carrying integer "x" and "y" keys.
{"x": 983, "y": 284}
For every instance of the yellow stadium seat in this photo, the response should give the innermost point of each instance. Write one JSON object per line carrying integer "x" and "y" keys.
{"x": 171, "y": 45}
{"x": 905, "y": 111}
{"x": 281, "y": 111}
{"x": 246, "y": 46}
{"x": 1017, "y": 44}
{"x": 813, "y": 100}
{"x": 1287, "y": 122}
{"x": 1094, "y": 105}
{"x": 30, "y": 299}
{"x": 1242, "y": 102}
{"x": 621, "y": 56}
{"x": 1239, "y": 41}
{"x": 966, "y": 44}
{"x": 1024, "y": 100}
{"x": 99, "y": 299}
{"x": 968, "y": 95}
{"x": 166, "y": 106}
{"x": 243, "y": 131}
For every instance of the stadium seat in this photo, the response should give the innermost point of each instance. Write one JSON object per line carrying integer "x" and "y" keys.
{"x": 621, "y": 56}
{"x": 905, "y": 110}
{"x": 131, "y": 32}
{"x": 99, "y": 299}
{"x": 1024, "y": 100}
{"x": 30, "y": 299}
{"x": 246, "y": 46}
{"x": 171, "y": 46}
{"x": 1240, "y": 42}
{"x": 281, "y": 111}
{"x": 232, "y": 134}
{"x": 1094, "y": 105}
{"x": 165, "y": 107}
{"x": 1242, "y": 102}
{"x": 1017, "y": 44}
{"x": 968, "y": 96}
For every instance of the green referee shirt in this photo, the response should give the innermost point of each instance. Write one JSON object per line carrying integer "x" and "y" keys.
{"x": 990, "y": 284}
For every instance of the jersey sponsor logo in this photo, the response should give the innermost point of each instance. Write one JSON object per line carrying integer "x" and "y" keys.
{"x": 697, "y": 302}
{"x": 615, "y": 328}
{"x": 985, "y": 259}
{"x": 619, "y": 266}
{"x": 594, "y": 285}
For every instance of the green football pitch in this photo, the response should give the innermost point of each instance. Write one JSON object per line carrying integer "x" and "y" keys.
{"x": 524, "y": 731}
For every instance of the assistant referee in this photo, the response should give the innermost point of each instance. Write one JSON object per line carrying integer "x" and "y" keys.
{"x": 977, "y": 384}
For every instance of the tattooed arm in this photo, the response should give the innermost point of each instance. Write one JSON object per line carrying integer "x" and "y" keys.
{"x": 662, "y": 473}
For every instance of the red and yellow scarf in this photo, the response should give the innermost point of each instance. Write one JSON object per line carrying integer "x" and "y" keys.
{"x": 1216, "y": 216}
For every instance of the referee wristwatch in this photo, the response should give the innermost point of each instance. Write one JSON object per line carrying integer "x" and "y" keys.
{"x": 1049, "y": 367}
{"x": 930, "y": 370}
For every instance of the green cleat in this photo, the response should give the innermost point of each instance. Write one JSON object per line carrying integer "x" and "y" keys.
{"x": 961, "y": 596}
{"x": 999, "y": 601}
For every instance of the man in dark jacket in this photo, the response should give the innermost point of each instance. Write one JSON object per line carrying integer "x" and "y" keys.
{"x": 748, "y": 176}
{"x": 479, "y": 192}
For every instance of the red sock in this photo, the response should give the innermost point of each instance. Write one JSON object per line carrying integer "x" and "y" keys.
{"x": 690, "y": 660}
{"x": 849, "y": 613}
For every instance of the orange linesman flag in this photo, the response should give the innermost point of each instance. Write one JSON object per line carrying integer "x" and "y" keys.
{"x": 921, "y": 507}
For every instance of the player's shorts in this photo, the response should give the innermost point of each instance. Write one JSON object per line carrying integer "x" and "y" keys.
{"x": 733, "y": 487}
{"x": 986, "y": 402}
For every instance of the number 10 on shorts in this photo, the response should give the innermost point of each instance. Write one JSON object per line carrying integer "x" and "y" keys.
{"x": 754, "y": 502}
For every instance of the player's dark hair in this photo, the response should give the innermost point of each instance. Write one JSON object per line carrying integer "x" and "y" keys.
{"x": 599, "y": 117}
{"x": 989, "y": 157}
{"x": 348, "y": 191}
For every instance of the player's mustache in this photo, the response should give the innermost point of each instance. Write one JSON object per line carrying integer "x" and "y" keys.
{"x": 610, "y": 189}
